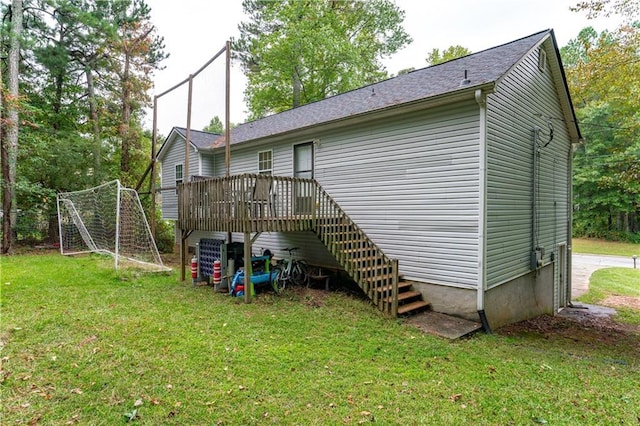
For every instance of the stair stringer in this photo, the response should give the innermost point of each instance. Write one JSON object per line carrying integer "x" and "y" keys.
{"x": 374, "y": 272}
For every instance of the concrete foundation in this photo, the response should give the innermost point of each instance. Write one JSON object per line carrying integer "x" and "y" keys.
{"x": 522, "y": 298}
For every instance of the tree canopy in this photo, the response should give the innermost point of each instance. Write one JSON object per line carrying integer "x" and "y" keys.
{"x": 85, "y": 69}
{"x": 436, "y": 57}
{"x": 296, "y": 52}
{"x": 603, "y": 72}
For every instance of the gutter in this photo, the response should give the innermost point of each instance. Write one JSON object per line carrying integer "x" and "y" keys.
{"x": 481, "y": 99}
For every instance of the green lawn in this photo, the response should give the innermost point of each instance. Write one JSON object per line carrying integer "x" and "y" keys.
{"x": 82, "y": 344}
{"x": 614, "y": 248}
{"x": 615, "y": 282}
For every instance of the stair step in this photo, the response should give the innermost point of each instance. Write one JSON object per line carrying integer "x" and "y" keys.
{"x": 413, "y": 306}
{"x": 404, "y": 296}
{"x": 402, "y": 287}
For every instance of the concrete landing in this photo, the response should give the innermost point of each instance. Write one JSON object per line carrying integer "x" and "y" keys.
{"x": 443, "y": 325}
{"x": 582, "y": 311}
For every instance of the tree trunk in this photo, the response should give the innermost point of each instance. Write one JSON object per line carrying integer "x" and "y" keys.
{"x": 126, "y": 116}
{"x": 297, "y": 88}
{"x": 4, "y": 163}
{"x": 10, "y": 212}
{"x": 93, "y": 117}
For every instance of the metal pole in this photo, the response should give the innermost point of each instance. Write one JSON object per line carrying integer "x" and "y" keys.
{"x": 117, "y": 223}
{"x": 154, "y": 140}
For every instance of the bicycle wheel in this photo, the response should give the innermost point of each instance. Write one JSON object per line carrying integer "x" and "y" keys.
{"x": 279, "y": 282}
{"x": 299, "y": 273}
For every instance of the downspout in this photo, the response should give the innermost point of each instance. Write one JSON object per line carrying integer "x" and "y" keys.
{"x": 481, "y": 99}
{"x": 569, "y": 224}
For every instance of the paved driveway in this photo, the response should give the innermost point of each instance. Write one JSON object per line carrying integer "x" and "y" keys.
{"x": 583, "y": 265}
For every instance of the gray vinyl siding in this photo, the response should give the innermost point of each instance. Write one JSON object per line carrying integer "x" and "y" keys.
{"x": 207, "y": 165}
{"x": 411, "y": 183}
{"x": 523, "y": 100}
{"x": 175, "y": 155}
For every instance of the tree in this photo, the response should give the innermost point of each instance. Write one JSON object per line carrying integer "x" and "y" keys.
{"x": 74, "y": 97}
{"x": 136, "y": 51}
{"x": 450, "y": 53}
{"x": 629, "y": 10}
{"x": 10, "y": 130}
{"x": 215, "y": 126}
{"x": 603, "y": 72}
{"x": 297, "y": 52}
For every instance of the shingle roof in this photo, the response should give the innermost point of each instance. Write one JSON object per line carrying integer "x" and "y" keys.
{"x": 202, "y": 140}
{"x": 482, "y": 68}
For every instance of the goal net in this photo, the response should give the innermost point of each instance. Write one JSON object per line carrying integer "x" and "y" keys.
{"x": 107, "y": 219}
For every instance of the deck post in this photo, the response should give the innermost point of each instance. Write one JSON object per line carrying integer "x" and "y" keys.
{"x": 248, "y": 285}
{"x": 394, "y": 291}
{"x": 183, "y": 255}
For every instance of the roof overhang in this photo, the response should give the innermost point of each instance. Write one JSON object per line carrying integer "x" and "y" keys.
{"x": 466, "y": 93}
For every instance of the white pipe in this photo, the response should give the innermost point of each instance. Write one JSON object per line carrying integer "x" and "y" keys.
{"x": 481, "y": 99}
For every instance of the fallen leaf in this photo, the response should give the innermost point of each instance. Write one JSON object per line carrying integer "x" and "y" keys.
{"x": 365, "y": 413}
{"x": 74, "y": 419}
{"x": 137, "y": 403}
{"x": 77, "y": 391}
{"x": 455, "y": 397}
{"x": 88, "y": 340}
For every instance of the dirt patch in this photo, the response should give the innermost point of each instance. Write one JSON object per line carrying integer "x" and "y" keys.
{"x": 622, "y": 302}
{"x": 582, "y": 329}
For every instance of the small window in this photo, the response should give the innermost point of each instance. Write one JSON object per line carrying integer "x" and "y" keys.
{"x": 265, "y": 162}
{"x": 179, "y": 174}
{"x": 542, "y": 59}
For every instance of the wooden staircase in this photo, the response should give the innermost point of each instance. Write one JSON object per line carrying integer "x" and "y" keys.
{"x": 232, "y": 204}
{"x": 375, "y": 273}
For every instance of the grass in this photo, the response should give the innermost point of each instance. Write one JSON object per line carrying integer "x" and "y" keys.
{"x": 615, "y": 282}
{"x": 612, "y": 248}
{"x": 83, "y": 344}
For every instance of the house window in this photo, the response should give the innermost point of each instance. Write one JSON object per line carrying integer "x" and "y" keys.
{"x": 179, "y": 175}
{"x": 265, "y": 162}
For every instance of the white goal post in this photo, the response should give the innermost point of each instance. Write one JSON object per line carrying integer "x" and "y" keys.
{"x": 107, "y": 219}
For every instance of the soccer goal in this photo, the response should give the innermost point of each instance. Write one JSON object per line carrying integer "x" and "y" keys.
{"x": 107, "y": 219}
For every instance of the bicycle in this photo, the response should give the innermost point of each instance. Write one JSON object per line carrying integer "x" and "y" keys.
{"x": 290, "y": 271}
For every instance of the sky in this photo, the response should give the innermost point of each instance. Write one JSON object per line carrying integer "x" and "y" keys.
{"x": 195, "y": 30}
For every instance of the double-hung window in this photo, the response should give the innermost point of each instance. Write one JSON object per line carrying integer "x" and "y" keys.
{"x": 265, "y": 162}
{"x": 179, "y": 175}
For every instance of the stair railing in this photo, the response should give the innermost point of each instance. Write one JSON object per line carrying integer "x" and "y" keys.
{"x": 359, "y": 256}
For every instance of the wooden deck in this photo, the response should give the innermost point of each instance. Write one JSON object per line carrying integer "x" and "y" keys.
{"x": 250, "y": 203}
{"x": 260, "y": 203}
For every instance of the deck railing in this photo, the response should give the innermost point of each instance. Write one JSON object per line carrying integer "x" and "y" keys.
{"x": 247, "y": 203}
{"x": 263, "y": 203}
